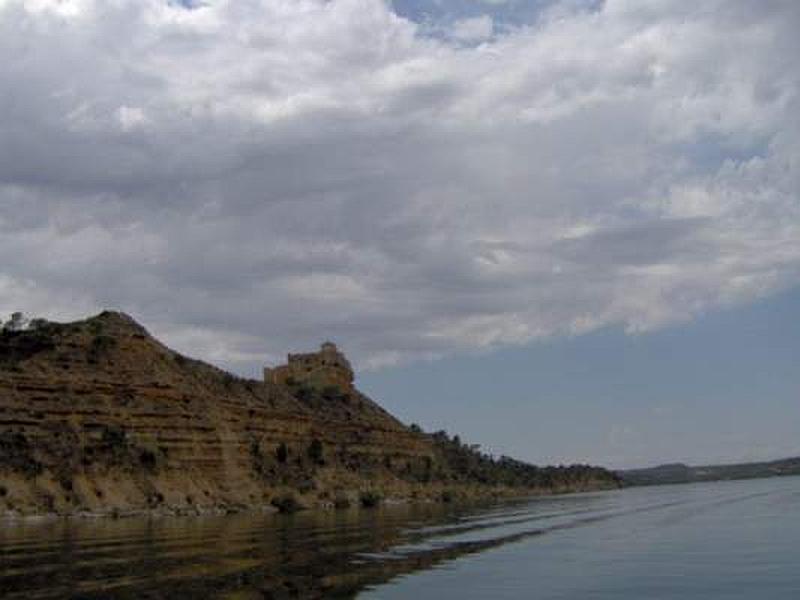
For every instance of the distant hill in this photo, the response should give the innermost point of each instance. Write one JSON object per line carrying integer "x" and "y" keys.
{"x": 97, "y": 416}
{"x": 681, "y": 473}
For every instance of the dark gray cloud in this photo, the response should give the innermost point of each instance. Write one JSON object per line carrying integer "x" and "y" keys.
{"x": 248, "y": 178}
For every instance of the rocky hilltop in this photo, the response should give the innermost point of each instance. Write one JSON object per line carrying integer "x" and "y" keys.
{"x": 97, "y": 416}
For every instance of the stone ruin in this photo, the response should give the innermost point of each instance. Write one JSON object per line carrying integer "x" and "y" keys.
{"x": 325, "y": 368}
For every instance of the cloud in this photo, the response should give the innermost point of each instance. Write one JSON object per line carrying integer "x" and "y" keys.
{"x": 473, "y": 29}
{"x": 251, "y": 177}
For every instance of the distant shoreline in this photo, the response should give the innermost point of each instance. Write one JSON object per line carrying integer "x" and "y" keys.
{"x": 676, "y": 473}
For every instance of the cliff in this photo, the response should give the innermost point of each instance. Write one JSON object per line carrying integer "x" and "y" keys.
{"x": 97, "y": 416}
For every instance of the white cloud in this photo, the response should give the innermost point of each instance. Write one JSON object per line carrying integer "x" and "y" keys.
{"x": 473, "y": 29}
{"x": 278, "y": 172}
{"x": 130, "y": 117}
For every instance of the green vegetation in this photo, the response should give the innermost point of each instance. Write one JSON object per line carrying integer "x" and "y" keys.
{"x": 316, "y": 452}
{"x": 19, "y": 345}
{"x": 370, "y": 498}
{"x": 148, "y": 459}
{"x": 16, "y": 322}
{"x": 333, "y": 393}
{"x": 303, "y": 392}
{"x": 100, "y": 347}
{"x": 17, "y": 454}
{"x": 287, "y": 503}
{"x": 341, "y": 501}
{"x": 465, "y": 463}
{"x": 282, "y": 453}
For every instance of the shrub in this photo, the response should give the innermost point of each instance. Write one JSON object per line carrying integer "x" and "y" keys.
{"x": 282, "y": 453}
{"x": 333, "y": 393}
{"x": 341, "y": 501}
{"x": 17, "y": 322}
{"x": 148, "y": 459}
{"x": 286, "y": 503}
{"x": 228, "y": 380}
{"x": 370, "y": 498}
{"x": 17, "y": 454}
{"x": 316, "y": 451}
{"x": 304, "y": 393}
{"x": 306, "y": 485}
{"x": 100, "y": 346}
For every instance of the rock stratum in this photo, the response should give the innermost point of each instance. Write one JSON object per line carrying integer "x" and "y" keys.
{"x": 98, "y": 417}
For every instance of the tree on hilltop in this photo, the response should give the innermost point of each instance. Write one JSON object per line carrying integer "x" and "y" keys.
{"x": 17, "y": 322}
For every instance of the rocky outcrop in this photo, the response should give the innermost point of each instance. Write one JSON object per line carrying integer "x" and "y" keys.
{"x": 98, "y": 416}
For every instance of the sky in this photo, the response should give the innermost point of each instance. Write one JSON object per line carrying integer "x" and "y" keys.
{"x": 536, "y": 219}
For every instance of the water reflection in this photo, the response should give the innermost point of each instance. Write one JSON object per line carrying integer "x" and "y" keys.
{"x": 311, "y": 554}
{"x": 238, "y": 556}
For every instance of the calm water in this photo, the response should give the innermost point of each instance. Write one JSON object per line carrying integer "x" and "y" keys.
{"x": 722, "y": 540}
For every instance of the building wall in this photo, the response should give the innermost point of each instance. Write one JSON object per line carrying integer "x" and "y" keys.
{"x": 328, "y": 367}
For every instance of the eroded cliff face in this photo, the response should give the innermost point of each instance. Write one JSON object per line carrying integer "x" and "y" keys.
{"x": 97, "y": 416}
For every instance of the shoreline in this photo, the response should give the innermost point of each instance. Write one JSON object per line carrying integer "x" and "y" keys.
{"x": 460, "y": 500}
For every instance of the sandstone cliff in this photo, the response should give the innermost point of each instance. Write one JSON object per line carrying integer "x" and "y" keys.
{"x": 98, "y": 416}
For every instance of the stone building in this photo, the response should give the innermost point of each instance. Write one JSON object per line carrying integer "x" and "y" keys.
{"x": 327, "y": 367}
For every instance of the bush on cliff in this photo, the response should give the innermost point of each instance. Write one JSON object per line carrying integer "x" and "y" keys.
{"x": 287, "y": 503}
{"x": 370, "y": 498}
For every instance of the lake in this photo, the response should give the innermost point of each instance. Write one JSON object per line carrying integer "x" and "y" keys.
{"x": 713, "y": 540}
